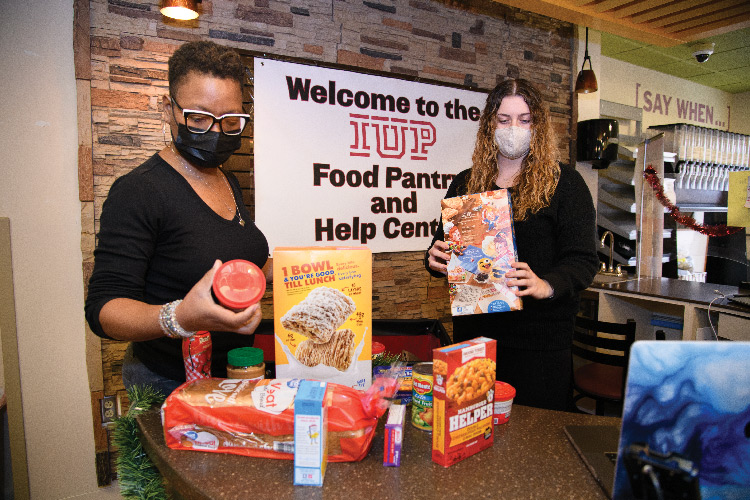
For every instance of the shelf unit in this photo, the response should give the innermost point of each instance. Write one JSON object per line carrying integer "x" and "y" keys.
{"x": 704, "y": 157}
{"x": 616, "y": 205}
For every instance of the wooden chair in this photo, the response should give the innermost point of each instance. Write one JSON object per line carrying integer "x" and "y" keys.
{"x": 603, "y": 379}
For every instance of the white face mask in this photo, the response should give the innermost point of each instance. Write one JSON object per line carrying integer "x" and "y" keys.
{"x": 513, "y": 142}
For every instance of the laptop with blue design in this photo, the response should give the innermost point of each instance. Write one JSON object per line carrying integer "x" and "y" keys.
{"x": 685, "y": 430}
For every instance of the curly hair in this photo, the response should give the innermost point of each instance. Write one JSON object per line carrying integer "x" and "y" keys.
{"x": 540, "y": 171}
{"x": 206, "y": 58}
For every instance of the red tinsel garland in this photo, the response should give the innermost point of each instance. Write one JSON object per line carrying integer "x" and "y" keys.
{"x": 716, "y": 230}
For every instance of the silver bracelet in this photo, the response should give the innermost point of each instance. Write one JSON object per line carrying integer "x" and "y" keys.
{"x": 168, "y": 322}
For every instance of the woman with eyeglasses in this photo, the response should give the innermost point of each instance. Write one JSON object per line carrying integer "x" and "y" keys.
{"x": 167, "y": 225}
{"x": 555, "y": 232}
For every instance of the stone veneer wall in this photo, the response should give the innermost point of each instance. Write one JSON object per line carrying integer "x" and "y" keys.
{"x": 476, "y": 43}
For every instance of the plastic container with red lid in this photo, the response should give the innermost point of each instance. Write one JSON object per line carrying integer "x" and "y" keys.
{"x": 238, "y": 284}
{"x": 504, "y": 394}
{"x": 377, "y": 348}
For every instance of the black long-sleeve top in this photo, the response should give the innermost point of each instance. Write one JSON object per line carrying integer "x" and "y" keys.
{"x": 157, "y": 239}
{"x": 559, "y": 245}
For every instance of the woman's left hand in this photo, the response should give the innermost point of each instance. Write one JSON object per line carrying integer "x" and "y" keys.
{"x": 528, "y": 283}
{"x": 198, "y": 311}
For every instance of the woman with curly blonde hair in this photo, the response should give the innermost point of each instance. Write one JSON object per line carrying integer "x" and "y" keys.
{"x": 554, "y": 224}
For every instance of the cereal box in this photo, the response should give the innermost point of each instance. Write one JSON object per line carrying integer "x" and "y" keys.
{"x": 310, "y": 433}
{"x": 322, "y": 299}
{"x": 479, "y": 232}
{"x": 463, "y": 399}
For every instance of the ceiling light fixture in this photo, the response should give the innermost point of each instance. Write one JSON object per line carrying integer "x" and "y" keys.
{"x": 184, "y": 10}
{"x": 586, "y": 81}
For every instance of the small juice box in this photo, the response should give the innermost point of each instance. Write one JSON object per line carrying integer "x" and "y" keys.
{"x": 394, "y": 434}
{"x": 310, "y": 433}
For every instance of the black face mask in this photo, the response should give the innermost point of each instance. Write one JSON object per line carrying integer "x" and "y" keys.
{"x": 207, "y": 150}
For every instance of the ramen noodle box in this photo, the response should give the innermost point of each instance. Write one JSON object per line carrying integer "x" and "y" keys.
{"x": 257, "y": 419}
{"x": 196, "y": 355}
{"x": 310, "y": 433}
{"x": 322, "y": 298}
{"x": 463, "y": 399}
{"x": 394, "y": 435}
{"x": 479, "y": 232}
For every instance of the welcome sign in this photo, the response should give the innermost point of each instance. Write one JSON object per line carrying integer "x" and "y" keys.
{"x": 346, "y": 158}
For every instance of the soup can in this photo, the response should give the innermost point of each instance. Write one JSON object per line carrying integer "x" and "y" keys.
{"x": 421, "y": 398}
{"x": 196, "y": 355}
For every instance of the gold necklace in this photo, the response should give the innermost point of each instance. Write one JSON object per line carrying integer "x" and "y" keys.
{"x": 200, "y": 177}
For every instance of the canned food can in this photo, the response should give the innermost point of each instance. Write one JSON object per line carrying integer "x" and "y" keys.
{"x": 196, "y": 354}
{"x": 421, "y": 399}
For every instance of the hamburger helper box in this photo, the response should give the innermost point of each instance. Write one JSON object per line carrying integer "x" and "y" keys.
{"x": 463, "y": 399}
{"x": 479, "y": 231}
{"x": 322, "y": 304}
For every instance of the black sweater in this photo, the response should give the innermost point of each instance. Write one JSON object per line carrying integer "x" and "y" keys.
{"x": 559, "y": 244}
{"x": 157, "y": 238}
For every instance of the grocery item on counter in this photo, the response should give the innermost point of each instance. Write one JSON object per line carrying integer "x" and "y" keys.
{"x": 421, "y": 399}
{"x": 257, "y": 419}
{"x": 310, "y": 433}
{"x": 464, "y": 397}
{"x": 246, "y": 363}
{"x": 383, "y": 361}
{"x": 196, "y": 356}
{"x": 238, "y": 284}
{"x": 322, "y": 298}
{"x": 405, "y": 389}
{"x": 394, "y": 435}
{"x": 504, "y": 394}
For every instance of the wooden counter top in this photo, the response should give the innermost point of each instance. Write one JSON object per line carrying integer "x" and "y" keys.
{"x": 531, "y": 458}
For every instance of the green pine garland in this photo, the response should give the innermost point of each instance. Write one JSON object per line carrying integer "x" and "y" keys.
{"x": 137, "y": 475}
{"x": 385, "y": 359}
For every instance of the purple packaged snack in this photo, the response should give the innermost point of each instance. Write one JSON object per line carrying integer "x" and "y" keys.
{"x": 394, "y": 434}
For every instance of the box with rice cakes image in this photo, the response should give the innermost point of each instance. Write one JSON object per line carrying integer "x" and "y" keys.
{"x": 479, "y": 232}
{"x": 322, "y": 304}
{"x": 463, "y": 399}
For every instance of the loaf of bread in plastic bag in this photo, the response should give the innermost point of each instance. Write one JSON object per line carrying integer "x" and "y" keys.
{"x": 257, "y": 419}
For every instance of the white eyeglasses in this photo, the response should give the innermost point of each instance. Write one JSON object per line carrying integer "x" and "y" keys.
{"x": 200, "y": 122}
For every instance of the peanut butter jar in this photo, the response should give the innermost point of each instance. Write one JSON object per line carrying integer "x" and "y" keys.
{"x": 246, "y": 363}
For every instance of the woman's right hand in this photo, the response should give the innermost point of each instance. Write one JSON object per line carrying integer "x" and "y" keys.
{"x": 439, "y": 257}
{"x": 199, "y": 311}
